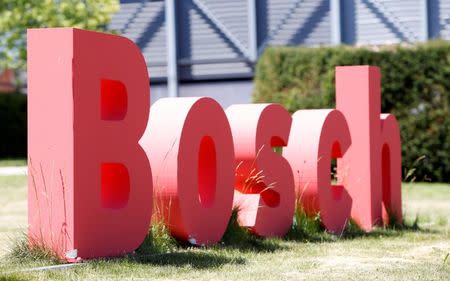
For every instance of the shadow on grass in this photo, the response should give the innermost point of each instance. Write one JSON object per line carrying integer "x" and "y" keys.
{"x": 196, "y": 258}
{"x": 310, "y": 229}
{"x": 160, "y": 248}
{"x": 394, "y": 229}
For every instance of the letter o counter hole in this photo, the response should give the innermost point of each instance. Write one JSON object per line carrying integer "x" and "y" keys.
{"x": 207, "y": 173}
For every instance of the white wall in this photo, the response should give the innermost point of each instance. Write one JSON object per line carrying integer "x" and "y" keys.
{"x": 225, "y": 92}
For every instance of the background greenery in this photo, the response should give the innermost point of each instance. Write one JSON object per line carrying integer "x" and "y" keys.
{"x": 415, "y": 87}
{"x": 15, "y": 17}
{"x": 18, "y": 15}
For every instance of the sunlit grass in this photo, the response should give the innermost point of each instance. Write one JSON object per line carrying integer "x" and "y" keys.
{"x": 416, "y": 250}
{"x": 13, "y": 162}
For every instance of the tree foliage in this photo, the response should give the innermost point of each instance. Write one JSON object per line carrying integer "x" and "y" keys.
{"x": 18, "y": 15}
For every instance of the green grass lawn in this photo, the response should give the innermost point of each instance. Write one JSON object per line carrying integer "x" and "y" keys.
{"x": 384, "y": 254}
{"x": 13, "y": 162}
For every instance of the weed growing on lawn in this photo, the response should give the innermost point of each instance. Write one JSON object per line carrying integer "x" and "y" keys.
{"x": 24, "y": 250}
{"x": 410, "y": 173}
{"x": 306, "y": 228}
{"x": 241, "y": 238}
{"x": 158, "y": 240}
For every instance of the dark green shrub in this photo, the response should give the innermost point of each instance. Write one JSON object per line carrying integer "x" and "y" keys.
{"x": 13, "y": 126}
{"x": 415, "y": 87}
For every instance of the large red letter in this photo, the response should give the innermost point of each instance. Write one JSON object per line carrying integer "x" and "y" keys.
{"x": 316, "y": 137}
{"x": 189, "y": 144}
{"x": 90, "y": 186}
{"x": 264, "y": 183}
{"x": 369, "y": 180}
{"x": 358, "y": 98}
{"x": 391, "y": 161}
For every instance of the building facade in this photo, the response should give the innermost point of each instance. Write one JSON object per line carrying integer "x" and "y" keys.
{"x": 210, "y": 47}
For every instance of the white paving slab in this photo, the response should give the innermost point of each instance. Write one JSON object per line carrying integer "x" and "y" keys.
{"x": 13, "y": 171}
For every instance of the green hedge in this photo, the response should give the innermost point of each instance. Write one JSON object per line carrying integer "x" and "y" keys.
{"x": 415, "y": 87}
{"x": 13, "y": 125}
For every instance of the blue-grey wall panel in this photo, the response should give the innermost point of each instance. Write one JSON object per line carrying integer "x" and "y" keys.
{"x": 297, "y": 22}
{"x": 213, "y": 34}
{"x": 204, "y": 29}
{"x": 444, "y": 18}
{"x": 143, "y": 22}
{"x": 387, "y": 21}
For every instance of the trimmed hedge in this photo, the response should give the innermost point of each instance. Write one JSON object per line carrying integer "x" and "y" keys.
{"x": 415, "y": 87}
{"x": 13, "y": 126}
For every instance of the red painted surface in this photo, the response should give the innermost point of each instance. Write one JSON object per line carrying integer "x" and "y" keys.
{"x": 115, "y": 185}
{"x": 264, "y": 183}
{"x": 90, "y": 185}
{"x": 366, "y": 177}
{"x": 113, "y": 100}
{"x": 316, "y": 137}
{"x": 90, "y": 182}
{"x": 391, "y": 168}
